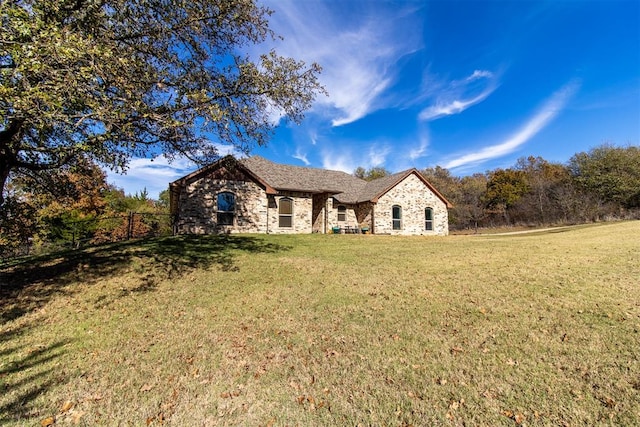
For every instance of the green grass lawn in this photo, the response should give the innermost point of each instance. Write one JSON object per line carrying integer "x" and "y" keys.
{"x": 530, "y": 329}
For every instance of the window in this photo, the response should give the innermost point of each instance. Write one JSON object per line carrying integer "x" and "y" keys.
{"x": 342, "y": 213}
{"x": 226, "y": 208}
{"x": 397, "y": 217}
{"x": 285, "y": 213}
{"x": 428, "y": 219}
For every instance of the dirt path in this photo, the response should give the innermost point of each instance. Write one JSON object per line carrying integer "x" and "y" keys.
{"x": 536, "y": 230}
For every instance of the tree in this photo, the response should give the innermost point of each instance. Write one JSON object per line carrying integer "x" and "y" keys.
{"x": 112, "y": 79}
{"x": 610, "y": 173}
{"x": 52, "y": 205}
{"x": 441, "y": 178}
{"x": 504, "y": 188}
{"x": 164, "y": 200}
{"x": 469, "y": 209}
{"x": 18, "y": 224}
{"x": 548, "y": 184}
{"x": 370, "y": 174}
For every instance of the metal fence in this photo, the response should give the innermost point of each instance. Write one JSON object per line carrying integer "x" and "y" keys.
{"x": 133, "y": 225}
{"x": 94, "y": 231}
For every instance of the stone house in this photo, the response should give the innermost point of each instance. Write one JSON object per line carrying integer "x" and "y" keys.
{"x": 255, "y": 195}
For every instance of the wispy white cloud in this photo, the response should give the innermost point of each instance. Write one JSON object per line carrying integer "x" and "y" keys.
{"x": 313, "y": 136}
{"x": 156, "y": 173}
{"x": 378, "y": 154}
{"x": 460, "y": 95}
{"x": 551, "y": 108}
{"x": 339, "y": 161}
{"x": 153, "y": 174}
{"x": 302, "y": 157}
{"x": 359, "y": 56}
{"x": 421, "y": 149}
{"x": 478, "y": 74}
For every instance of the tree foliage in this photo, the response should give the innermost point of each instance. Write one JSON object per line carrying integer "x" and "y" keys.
{"x": 599, "y": 184}
{"x": 609, "y": 172}
{"x": 370, "y": 174}
{"x": 47, "y": 209}
{"x": 41, "y": 204}
{"x": 112, "y": 79}
{"x": 505, "y": 187}
{"x": 548, "y": 184}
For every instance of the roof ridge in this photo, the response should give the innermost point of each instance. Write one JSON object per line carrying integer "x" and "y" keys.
{"x": 260, "y": 158}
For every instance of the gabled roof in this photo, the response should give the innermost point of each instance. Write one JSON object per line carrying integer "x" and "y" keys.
{"x": 227, "y": 162}
{"x": 344, "y": 187}
{"x": 378, "y": 187}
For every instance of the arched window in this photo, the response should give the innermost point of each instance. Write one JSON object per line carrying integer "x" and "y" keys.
{"x": 342, "y": 213}
{"x": 428, "y": 219}
{"x": 226, "y": 204}
{"x": 285, "y": 213}
{"x": 397, "y": 217}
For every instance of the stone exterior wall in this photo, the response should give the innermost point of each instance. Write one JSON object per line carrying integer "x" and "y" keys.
{"x": 257, "y": 212}
{"x": 351, "y": 219}
{"x": 413, "y": 196}
{"x": 364, "y": 213}
{"x": 302, "y": 213}
{"x": 321, "y": 203}
{"x": 197, "y": 212}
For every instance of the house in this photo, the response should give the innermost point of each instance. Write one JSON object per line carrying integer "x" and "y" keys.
{"x": 255, "y": 195}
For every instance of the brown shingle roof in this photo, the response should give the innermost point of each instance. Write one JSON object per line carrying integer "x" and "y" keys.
{"x": 376, "y": 188}
{"x": 344, "y": 187}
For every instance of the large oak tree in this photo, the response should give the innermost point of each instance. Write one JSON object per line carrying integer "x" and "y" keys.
{"x": 112, "y": 79}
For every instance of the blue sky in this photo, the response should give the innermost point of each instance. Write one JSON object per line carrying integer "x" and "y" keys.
{"x": 468, "y": 85}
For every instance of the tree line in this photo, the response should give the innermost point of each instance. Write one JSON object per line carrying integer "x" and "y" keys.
{"x": 48, "y": 210}
{"x": 600, "y": 184}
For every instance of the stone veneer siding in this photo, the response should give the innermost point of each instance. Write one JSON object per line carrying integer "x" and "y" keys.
{"x": 256, "y": 212}
{"x": 350, "y": 215}
{"x": 302, "y": 213}
{"x": 413, "y": 196}
{"x": 197, "y": 212}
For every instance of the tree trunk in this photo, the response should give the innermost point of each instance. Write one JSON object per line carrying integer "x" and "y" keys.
{"x": 4, "y": 175}
{"x": 8, "y": 137}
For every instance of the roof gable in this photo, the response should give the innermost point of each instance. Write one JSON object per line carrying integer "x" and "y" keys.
{"x": 274, "y": 177}
{"x": 379, "y": 187}
{"x": 227, "y": 167}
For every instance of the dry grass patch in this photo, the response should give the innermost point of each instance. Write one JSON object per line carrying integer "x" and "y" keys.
{"x": 539, "y": 329}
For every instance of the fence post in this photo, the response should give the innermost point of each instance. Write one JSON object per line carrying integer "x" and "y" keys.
{"x": 130, "y": 226}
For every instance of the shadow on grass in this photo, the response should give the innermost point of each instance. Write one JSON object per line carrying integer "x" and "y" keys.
{"x": 28, "y": 284}
{"x": 26, "y": 374}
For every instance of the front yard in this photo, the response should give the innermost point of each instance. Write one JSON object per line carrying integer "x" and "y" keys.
{"x": 531, "y": 329}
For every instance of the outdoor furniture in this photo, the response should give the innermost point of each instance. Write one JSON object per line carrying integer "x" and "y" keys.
{"x": 348, "y": 229}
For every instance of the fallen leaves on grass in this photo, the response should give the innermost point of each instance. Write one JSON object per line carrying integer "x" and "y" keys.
{"x": 68, "y": 413}
{"x": 146, "y": 387}
{"x": 310, "y": 403}
{"x": 227, "y": 394}
{"x": 157, "y": 418}
{"x": 517, "y": 417}
{"x": 455, "y": 350}
{"x": 608, "y": 402}
{"x": 66, "y": 407}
